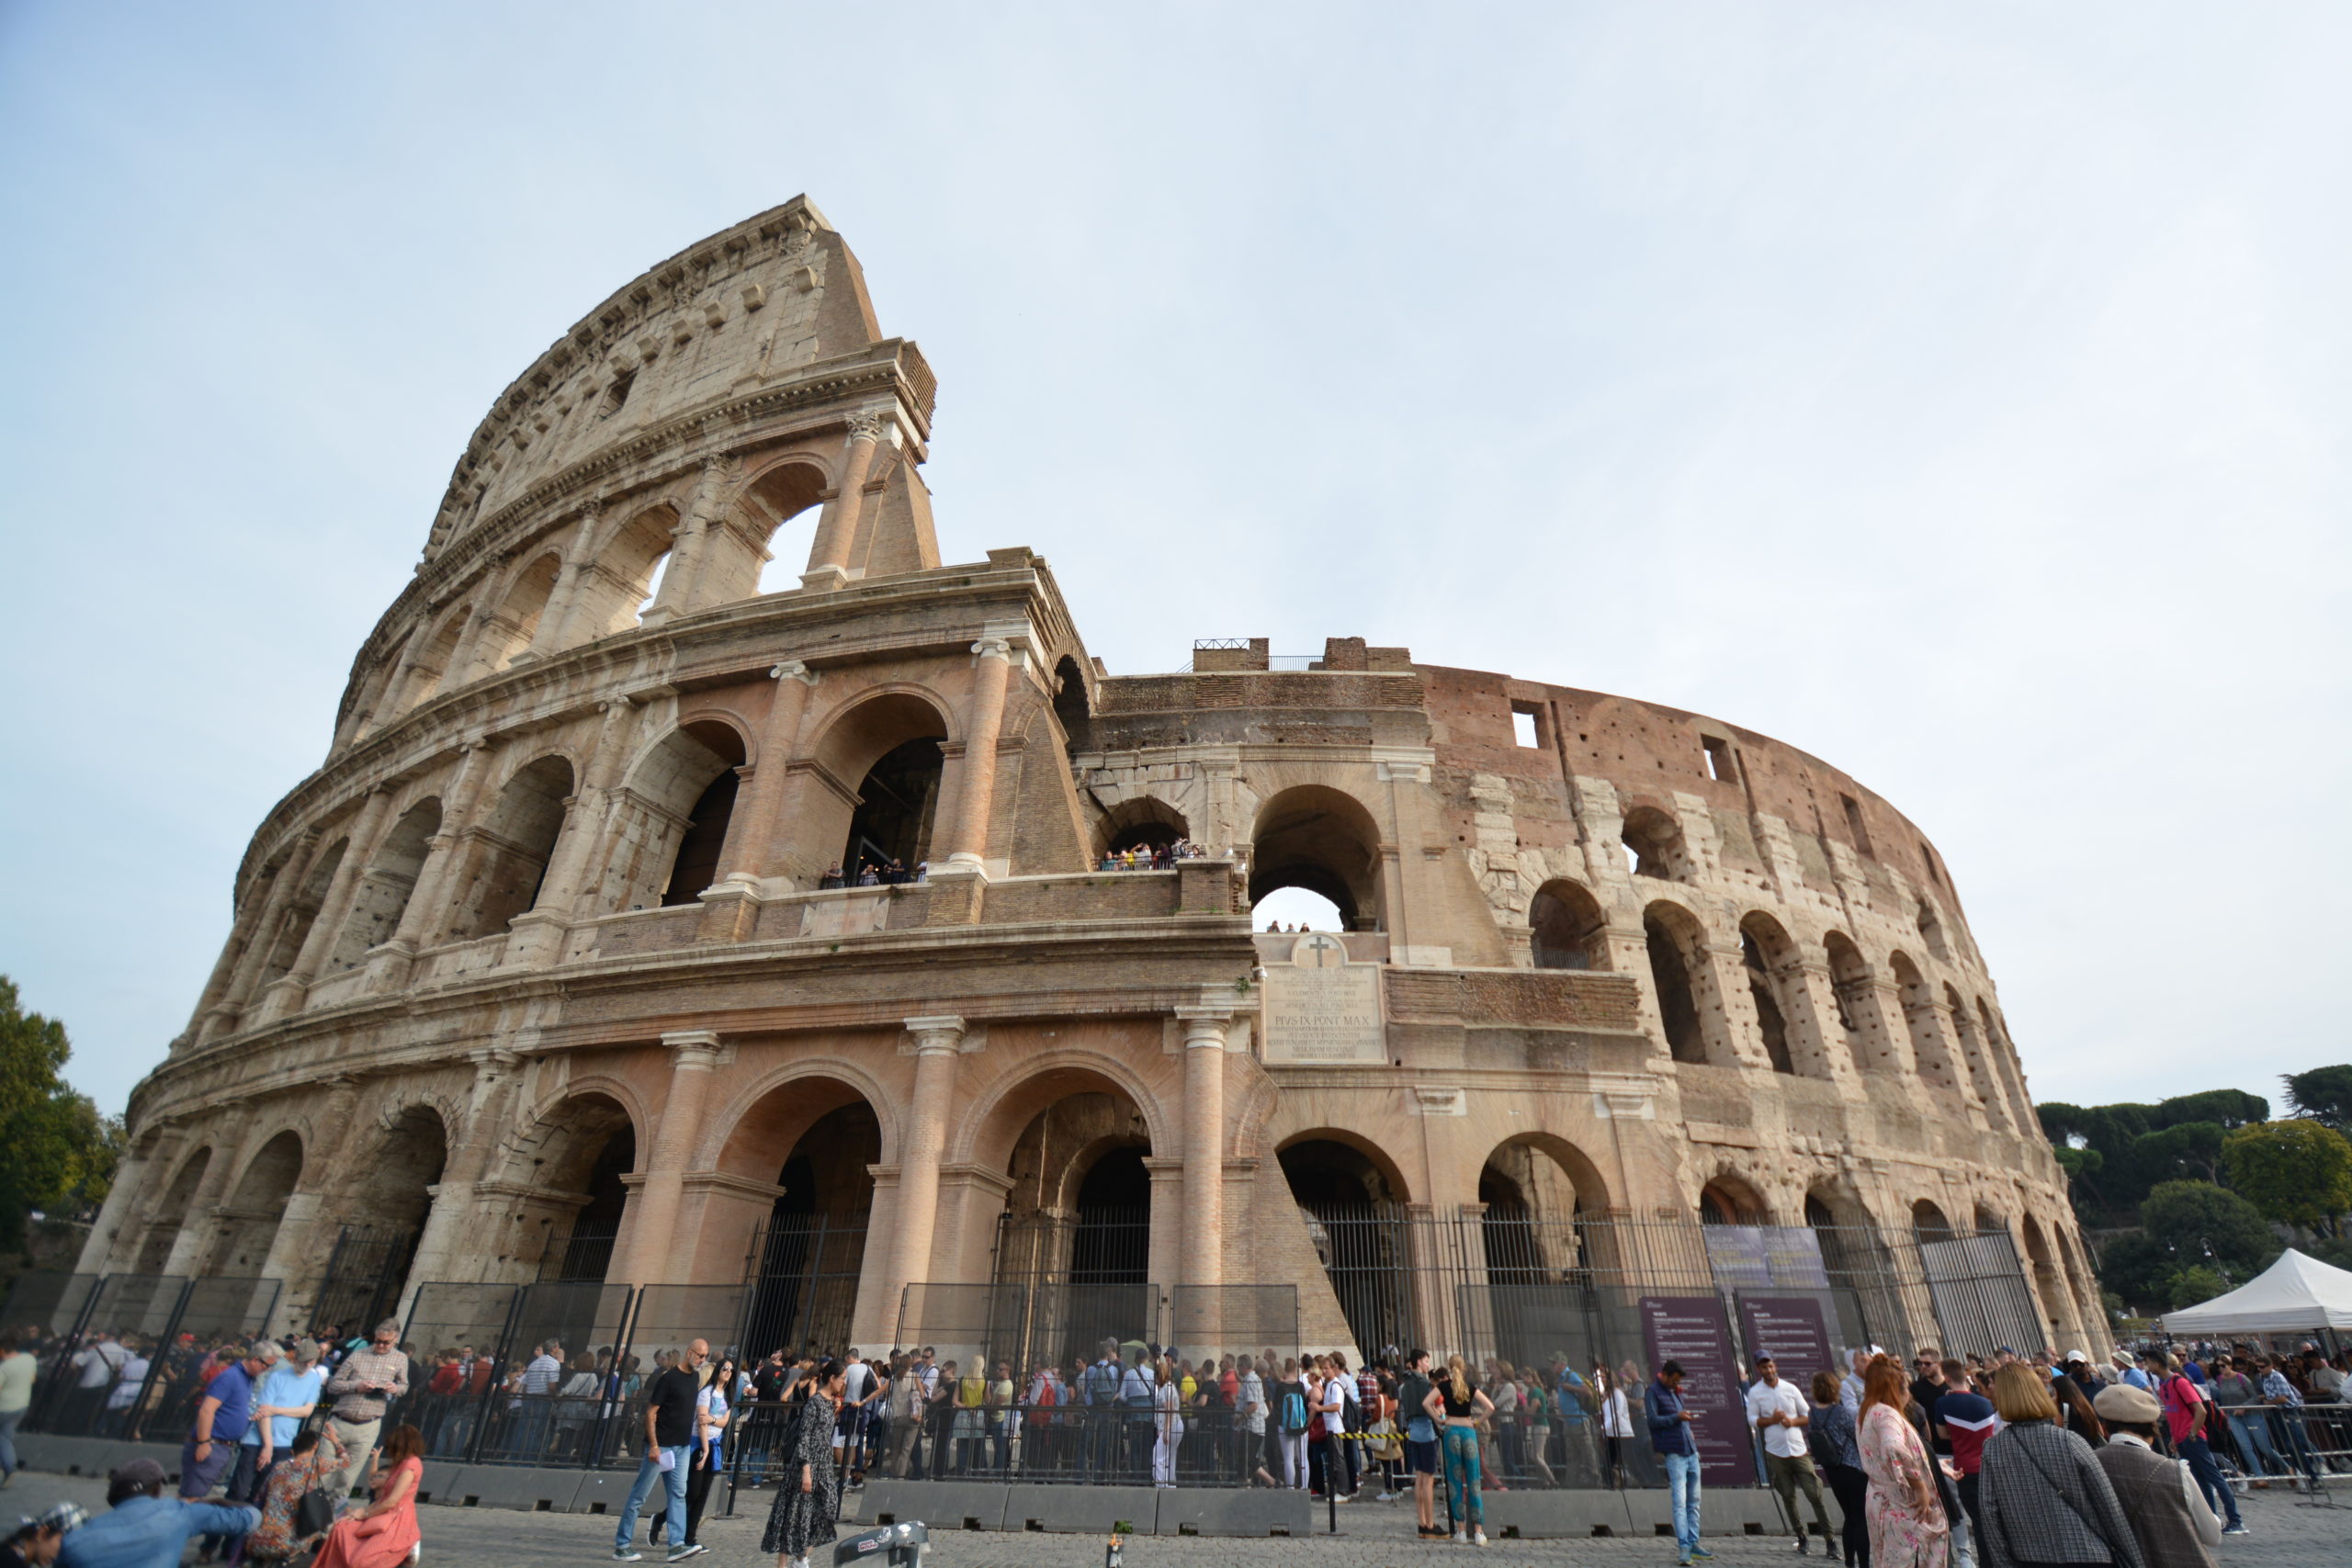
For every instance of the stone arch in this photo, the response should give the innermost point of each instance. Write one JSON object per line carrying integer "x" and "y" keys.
{"x": 1988, "y": 1218}
{"x": 740, "y": 546}
{"x": 879, "y": 764}
{"x": 619, "y": 573}
{"x": 1000, "y": 1112}
{"x": 1567, "y": 928}
{"x": 1852, "y": 984}
{"x": 1140, "y": 821}
{"x": 566, "y": 1168}
{"x": 1682, "y": 984}
{"x": 256, "y": 1205}
{"x": 1930, "y": 1050}
{"x": 2055, "y": 1301}
{"x": 679, "y": 788}
{"x": 1980, "y": 1071}
{"x": 1931, "y": 932}
{"x": 1776, "y": 988}
{"x": 1533, "y": 1189}
{"x": 1928, "y": 1221}
{"x": 506, "y": 631}
{"x": 430, "y": 667}
{"x": 1653, "y": 845}
{"x": 506, "y": 863}
{"x": 405, "y": 1158}
{"x": 2005, "y": 1062}
{"x": 369, "y": 707}
{"x": 385, "y": 886}
{"x": 778, "y": 1107}
{"x": 173, "y": 1212}
{"x": 1078, "y": 1200}
{"x": 1073, "y": 708}
{"x": 1728, "y": 1198}
{"x": 1349, "y": 1197}
{"x": 1387, "y": 1183}
{"x": 294, "y": 929}
{"x": 1322, "y": 840}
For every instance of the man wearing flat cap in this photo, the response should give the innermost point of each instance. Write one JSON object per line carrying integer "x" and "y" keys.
{"x": 143, "y": 1526}
{"x": 2158, "y": 1495}
{"x": 39, "y": 1540}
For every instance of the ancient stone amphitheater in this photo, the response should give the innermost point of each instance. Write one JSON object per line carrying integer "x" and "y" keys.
{"x": 537, "y": 980}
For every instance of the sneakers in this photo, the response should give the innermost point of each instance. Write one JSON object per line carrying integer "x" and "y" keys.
{"x": 1700, "y": 1553}
{"x": 2238, "y": 1529}
{"x": 1800, "y": 1546}
{"x": 623, "y": 1554}
{"x": 680, "y": 1553}
{"x": 1685, "y": 1561}
{"x": 1459, "y": 1539}
{"x": 1478, "y": 1537}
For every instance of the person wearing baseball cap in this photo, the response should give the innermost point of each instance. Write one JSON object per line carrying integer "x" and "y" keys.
{"x": 2158, "y": 1496}
{"x": 141, "y": 1528}
{"x": 40, "y": 1539}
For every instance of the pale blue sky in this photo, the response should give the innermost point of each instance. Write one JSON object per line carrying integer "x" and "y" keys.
{"x": 1958, "y": 392}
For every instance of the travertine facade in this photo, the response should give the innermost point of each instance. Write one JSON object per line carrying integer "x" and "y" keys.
{"x": 543, "y": 939}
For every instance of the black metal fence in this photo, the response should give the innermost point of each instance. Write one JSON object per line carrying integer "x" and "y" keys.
{"x": 127, "y": 1355}
{"x": 364, "y": 1275}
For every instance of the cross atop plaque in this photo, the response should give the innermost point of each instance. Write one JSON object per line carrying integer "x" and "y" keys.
{"x": 1318, "y": 950}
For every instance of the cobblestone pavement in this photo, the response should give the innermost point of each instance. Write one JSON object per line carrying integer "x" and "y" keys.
{"x": 1371, "y": 1535}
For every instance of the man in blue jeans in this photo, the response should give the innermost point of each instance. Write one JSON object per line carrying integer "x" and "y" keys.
{"x": 1671, "y": 1436}
{"x": 669, "y": 1442}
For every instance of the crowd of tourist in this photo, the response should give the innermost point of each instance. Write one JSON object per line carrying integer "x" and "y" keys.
{"x": 1948, "y": 1462}
{"x": 1151, "y": 857}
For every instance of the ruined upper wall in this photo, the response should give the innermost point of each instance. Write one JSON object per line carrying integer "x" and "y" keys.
{"x": 777, "y": 292}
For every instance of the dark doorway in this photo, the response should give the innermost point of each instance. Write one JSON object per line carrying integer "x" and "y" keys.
{"x": 696, "y": 866}
{"x": 894, "y": 811}
{"x": 1112, "y": 1243}
{"x": 588, "y": 1253}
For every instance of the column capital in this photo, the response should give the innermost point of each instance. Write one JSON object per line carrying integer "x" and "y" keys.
{"x": 993, "y": 647}
{"x": 937, "y": 1033}
{"x": 1205, "y": 1027}
{"x": 794, "y": 670}
{"x": 872, "y": 425}
{"x": 693, "y": 1048}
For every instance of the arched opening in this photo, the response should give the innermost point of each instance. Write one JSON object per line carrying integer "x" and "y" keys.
{"x": 1850, "y": 983}
{"x": 2005, "y": 1060}
{"x": 1980, "y": 1066}
{"x": 813, "y": 1251}
{"x": 1728, "y": 1200}
{"x": 250, "y": 1224}
{"x": 295, "y": 930}
{"x": 704, "y": 844}
{"x": 508, "y": 860}
{"x": 1142, "y": 823}
{"x": 890, "y": 743}
{"x": 667, "y": 795}
{"x": 1532, "y": 1197}
{"x": 1567, "y": 930}
{"x": 1072, "y": 711}
{"x": 1765, "y": 952}
{"x": 432, "y": 659}
{"x": 1325, "y": 842}
{"x": 1295, "y": 908}
{"x": 611, "y": 591}
{"x": 565, "y": 1171}
{"x": 1931, "y": 931}
{"x": 1653, "y": 845}
{"x": 509, "y": 631}
{"x": 1079, "y": 1209}
{"x": 382, "y": 895}
{"x": 1928, "y": 1048}
{"x": 370, "y": 1252}
{"x": 742, "y": 557}
{"x": 1354, "y": 1207}
{"x": 890, "y": 829}
{"x": 172, "y": 1213}
{"x": 2046, "y": 1282}
{"x": 1927, "y": 1221}
{"x": 1988, "y": 1219}
{"x": 1673, "y": 939}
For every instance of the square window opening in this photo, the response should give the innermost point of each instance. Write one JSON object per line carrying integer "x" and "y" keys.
{"x": 1861, "y": 834}
{"x": 1721, "y": 763}
{"x": 1526, "y": 725}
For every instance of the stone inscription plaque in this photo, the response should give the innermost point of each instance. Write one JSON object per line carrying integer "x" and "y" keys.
{"x": 1323, "y": 1011}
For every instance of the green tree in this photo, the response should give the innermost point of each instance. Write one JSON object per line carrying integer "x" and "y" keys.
{"x": 2196, "y": 1283}
{"x": 2297, "y": 1171}
{"x": 2197, "y": 1222}
{"x": 54, "y": 1146}
{"x": 2323, "y": 1094}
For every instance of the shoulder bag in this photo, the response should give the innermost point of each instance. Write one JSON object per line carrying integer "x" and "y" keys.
{"x": 2114, "y": 1555}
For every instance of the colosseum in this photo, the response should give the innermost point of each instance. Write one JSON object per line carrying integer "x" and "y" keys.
{"x": 850, "y": 957}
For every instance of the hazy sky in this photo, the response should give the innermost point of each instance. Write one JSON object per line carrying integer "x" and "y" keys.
{"x": 1957, "y": 392}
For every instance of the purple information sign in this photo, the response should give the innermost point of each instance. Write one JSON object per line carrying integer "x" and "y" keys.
{"x": 1789, "y": 1330}
{"x": 1693, "y": 1331}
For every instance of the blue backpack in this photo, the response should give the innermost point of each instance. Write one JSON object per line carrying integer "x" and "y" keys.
{"x": 1294, "y": 1411}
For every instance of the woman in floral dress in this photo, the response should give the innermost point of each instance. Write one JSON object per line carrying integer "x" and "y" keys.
{"x": 807, "y": 1496}
{"x": 1907, "y": 1525}
{"x": 314, "y": 1456}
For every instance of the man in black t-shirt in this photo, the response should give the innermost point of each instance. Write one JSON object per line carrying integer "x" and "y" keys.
{"x": 669, "y": 1439}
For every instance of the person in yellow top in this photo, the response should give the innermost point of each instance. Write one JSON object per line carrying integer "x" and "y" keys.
{"x": 971, "y": 1393}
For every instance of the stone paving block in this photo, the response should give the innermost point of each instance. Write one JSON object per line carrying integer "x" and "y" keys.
{"x": 1547, "y": 1515}
{"x": 1085, "y": 1509}
{"x": 1227, "y": 1511}
{"x": 516, "y": 1486}
{"x": 942, "y": 1505}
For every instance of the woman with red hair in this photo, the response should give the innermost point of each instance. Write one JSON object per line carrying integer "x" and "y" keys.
{"x": 1907, "y": 1525}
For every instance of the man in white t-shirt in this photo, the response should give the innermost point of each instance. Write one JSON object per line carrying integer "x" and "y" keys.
{"x": 116, "y": 1423}
{"x": 1779, "y": 1414}
{"x": 849, "y": 1431}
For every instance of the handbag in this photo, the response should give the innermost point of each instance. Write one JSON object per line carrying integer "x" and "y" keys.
{"x": 314, "y": 1510}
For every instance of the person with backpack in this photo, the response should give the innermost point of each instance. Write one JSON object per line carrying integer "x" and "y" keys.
{"x": 1291, "y": 1422}
{"x": 1421, "y": 1438}
{"x": 2188, "y": 1415}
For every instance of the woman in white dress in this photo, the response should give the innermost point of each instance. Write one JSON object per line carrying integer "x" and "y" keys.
{"x": 1169, "y": 1403}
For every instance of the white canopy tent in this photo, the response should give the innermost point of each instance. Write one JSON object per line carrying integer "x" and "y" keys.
{"x": 2298, "y": 1295}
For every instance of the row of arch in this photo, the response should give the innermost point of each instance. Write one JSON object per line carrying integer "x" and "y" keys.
{"x": 1956, "y": 1045}
{"x": 601, "y": 576}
